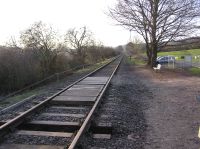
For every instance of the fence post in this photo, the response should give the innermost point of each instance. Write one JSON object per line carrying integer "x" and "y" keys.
{"x": 57, "y": 77}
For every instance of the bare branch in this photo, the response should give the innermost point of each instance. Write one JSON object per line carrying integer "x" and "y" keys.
{"x": 78, "y": 40}
{"x": 157, "y": 21}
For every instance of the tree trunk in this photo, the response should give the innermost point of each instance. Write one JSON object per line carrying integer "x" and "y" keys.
{"x": 80, "y": 55}
{"x": 153, "y": 56}
{"x": 148, "y": 52}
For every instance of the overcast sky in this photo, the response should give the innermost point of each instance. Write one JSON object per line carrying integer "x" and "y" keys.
{"x": 17, "y": 15}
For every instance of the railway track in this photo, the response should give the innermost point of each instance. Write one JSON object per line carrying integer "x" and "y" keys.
{"x": 60, "y": 120}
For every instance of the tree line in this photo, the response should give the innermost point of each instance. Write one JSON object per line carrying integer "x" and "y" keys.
{"x": 39, "y": 53}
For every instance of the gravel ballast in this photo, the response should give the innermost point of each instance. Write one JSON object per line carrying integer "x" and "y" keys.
{"x": 26, "y": 139}
{"x": 124, "y": 104}
{"x": 48, "y": 90}
{"x": 34, "y": 140}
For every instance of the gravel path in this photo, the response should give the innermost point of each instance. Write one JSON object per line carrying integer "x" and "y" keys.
{"x": 150, "y": 110}
{"x": 173, "y": 114}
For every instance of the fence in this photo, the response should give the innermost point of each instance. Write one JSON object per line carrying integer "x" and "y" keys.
{"x": 185, "y": 62}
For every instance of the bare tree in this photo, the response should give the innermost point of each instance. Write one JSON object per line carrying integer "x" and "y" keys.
{"x": 13, "y": 43}
{"x": 77, "y": 41}
{"x": 41, "y": 38}
{"x": 138, "y": 46}
{"x": 157, "y": 21}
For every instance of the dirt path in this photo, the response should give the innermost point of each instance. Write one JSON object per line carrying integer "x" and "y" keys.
{"x": 173, "y": 115}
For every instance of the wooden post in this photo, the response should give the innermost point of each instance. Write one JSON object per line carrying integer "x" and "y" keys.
{"x": 57, "y": 77}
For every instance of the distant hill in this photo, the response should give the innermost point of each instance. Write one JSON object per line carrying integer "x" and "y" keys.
{"x": 184, "y": 44}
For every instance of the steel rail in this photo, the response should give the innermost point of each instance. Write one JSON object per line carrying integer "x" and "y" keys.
{"x": 20, "y": 118}
{"x": 89, "y": 117}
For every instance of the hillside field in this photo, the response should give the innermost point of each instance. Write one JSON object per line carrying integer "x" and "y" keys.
{"x": 192, "y": 52}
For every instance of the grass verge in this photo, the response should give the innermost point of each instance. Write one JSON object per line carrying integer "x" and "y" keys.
{"x": 138, "y": 61}
{"x": 17, "y": 98}
{"x": 92, "y": 67}
{"x": 194, "y": 71}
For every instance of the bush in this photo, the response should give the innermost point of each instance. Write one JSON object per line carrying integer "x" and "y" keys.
{"x": 22, "y": 67}
{"x": 18, "y": 68}
{"x": 95, "y": 54}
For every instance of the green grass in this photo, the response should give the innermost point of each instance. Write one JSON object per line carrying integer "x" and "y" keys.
{"x": 192, "y": 52}
{"x": 17, "y": 98}
{"x": 136, "y": 61}
{"x": 194, "y": 71}
{"x": 93, "y": 67}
